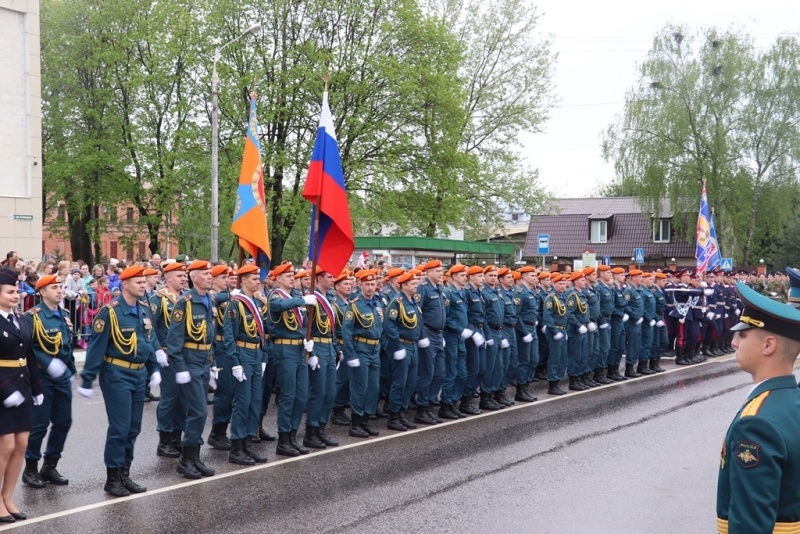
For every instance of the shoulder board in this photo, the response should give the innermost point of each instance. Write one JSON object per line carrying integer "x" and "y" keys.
{"x": 144, "y": 303}
{"x": 112, "y": 304}
{"x": 353, "y": 300}
{"x": 187, "y": 298}
{"x": 754, "y": 405}
{"x": 32, "y": 311}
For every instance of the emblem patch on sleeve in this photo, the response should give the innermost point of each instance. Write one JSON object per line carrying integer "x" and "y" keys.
{"x": 548, "y": 305}
{"x": 393, "y": 313}
{"x": 153, "y": 308}
{"x": 417, "y": 297}
{"x": 348, "y": 316}
{"x": 99, "y": 325}
{"x": 747, "y": 454}
{"x": 177, "y": 315}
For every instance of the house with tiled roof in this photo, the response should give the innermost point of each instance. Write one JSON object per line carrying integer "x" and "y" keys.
{"x": 610, "y": 228}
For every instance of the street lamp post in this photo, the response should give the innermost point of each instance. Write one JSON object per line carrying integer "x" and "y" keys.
{"x": 215, "y": 141}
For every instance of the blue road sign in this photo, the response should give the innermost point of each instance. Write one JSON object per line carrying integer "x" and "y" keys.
{"x": 638, "y": 255}
{"x": 606, "y": 260}
{"x": 544, "y": 244}
{"x": 726, "y": 264}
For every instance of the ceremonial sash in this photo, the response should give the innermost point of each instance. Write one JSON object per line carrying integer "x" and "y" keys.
{"x": 295, "y": 311}
{"x": 251, "y": 306}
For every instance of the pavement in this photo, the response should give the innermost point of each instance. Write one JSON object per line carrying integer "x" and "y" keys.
{"x": 636, "y": 456}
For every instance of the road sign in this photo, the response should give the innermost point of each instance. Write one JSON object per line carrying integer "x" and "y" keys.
{"x": 606, "y": 260}
{"x": 638, "y": 255}
{"x": 544, "y": 244}
{"x": 726, "y": 264}
{"x": 18, "y": 217}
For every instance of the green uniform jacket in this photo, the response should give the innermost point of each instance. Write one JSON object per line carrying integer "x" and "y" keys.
{"x": 190, "y": 316}
{"x": 758, "y": 488}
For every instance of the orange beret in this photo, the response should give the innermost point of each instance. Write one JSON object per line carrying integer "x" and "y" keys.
{"x": 516, "y": 275}
{"x": 394, "y": 272}
{"x": 432, "y": 264}
{"x": 475, "y": 269}
{"x": 219, "y": 270}
{"x": 577, "y": 275}
{"x": 457, "y": 268}
{"x": 344, "y": 275}
{"x": 177, "y": 266}
{"x": 151, "y": 272}
{"x": 603, "y": 268}
{"x": 199, "y": 265}
{"x": 661, "y": 276}
{"x": 544, "y": 275}
{"x": 248, "y": 269}
{"x": 420, "y": 267}
{"x": 503, "y": 271}
{"x": 555, "y": 277}
{"x": 617, "y": 270}
{"x": 132, "y": 272}
{"x": 526, "y": 269}
{"x": 367, "y": 275}
{"x": 48, "y": 280}
{"x": 647, "y": 275}
{"x": 588, "y": 270}
{"x": 635, "y": 272}
{"x": 280, "y": 269}
{"x": 301, "y": 273}
{"x": 406, "y": 277}
{"x": 490, "y": 268}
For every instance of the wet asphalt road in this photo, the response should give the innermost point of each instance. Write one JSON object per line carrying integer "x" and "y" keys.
{"x": 640, "y": 456}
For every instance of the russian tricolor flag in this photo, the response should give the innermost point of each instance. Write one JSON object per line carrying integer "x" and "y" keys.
{"x": 326, "y": 190}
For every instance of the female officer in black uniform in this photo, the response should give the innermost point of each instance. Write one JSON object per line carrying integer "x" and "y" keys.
{"x": 19, "y": 390}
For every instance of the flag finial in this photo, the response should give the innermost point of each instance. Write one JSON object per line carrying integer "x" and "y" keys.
{"x": 326, "y": 78}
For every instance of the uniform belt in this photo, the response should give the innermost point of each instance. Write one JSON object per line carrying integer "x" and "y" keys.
{"x": 780, "y": 527}
{"x": 246, "y": 345}
{"x": 510, "y": 325}
{"x": 529, "y": 323}
{"x": 197, "y": 346}
{"x": 285, "y": 341}
{"x": 366, "y": 340}
{"x": 22, "y": 362}
{"x": 340, "y": 341}
{"x": 164, "y": 348}
{"x": 220, "y": 338}
{"x": 495, "y": 328}
{"x": 409, "y": 341}
{"x": 123, "y": 363}
{"x": 323, "y": 340}
{"x": 560, "y": 327}
{"x": 434, "y": 330}
{"x": 477, "y": 326}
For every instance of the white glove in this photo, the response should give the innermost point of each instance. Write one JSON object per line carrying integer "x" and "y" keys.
{"x": 478, "y": 339}
{"x": 558, "y": 336}
{"x": 489, "y": 342}
{"x": 604, "y": 326}
{"x": 444, "y": 343}
{"x": 38, "y": 399}
{"x": 313, "y": 362}
{"x": 310, "y": 300}
{"x": 535, "y": 323}
{"x": 84, "y": 392}
{"x": 682, "y": 320}
{"x": 263, "y": 369}
{"x": 710, "y": 316}
{"x": 652, "y": 322}
{"x": 640, "y": 320}
{"x": 625, "y": 318}
{"x": 398, "y": 355}
{"x": 308, "y": 345}
{"x": 708, "y": 292}
{"x": 155, "y": 379}
{"x": 592, "y": 327}
{"x": 582, "y": 330}
{"x": 504, "y": 343}
{"x": 183, "y": 377}
{"x": 544, "y": 329}
{"x": 466, "y": 333}
{"x": 738, "y": 312}
{"x": 703, "y": 309}
{"x": 56, "y": 368}
{"x": 354, "y": 363}
{"x": 527, "y": 338}
{"x": 424, "y": 343}
{"x": 238, "y": 373}
{"x": 660, "y": 323}
{"x": 704, "y": 284}
{"x": 214, "y": 373}
{"x": 161, "y": 357}
{"x": 13, "y": 400}
{"x": 726, "y": 315}
{"x": 717, "y": 316}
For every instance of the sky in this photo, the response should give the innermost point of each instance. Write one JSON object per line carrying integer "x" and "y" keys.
{"x": 599, "y": 44}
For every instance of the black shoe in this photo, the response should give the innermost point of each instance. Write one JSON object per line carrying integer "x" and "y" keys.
{"x": 613, "y": 374}
{"x": 293, "y": 442}
{"x": 219, "y": 437}
{"x": 19, "y": 516}
{"x": 600, "y": 377}
{"x": 654, "y": 366}
{"x": 165, "y": 447}
{"x": 587, "y": 380}
{"x": 186, "y": 464}
{"x": 257, "y": 458}
{"x": 355, "y": 427}
{"x": 148, "y": 396}
{"x": 262, "y": 434}
{"x": 523, "y": 395}
{"x": 325, "y": 438}
{"x": 501, "y": 399}
{"x": 201, "y": 467}
{"x": 30, "y": 476}
{"x": 423, "y": 417}
{"x": 394, "y": 423}
{"x": 8, "y": 519}
{"x": 284, "y": 447}
{"x": 576, "y": 385}
{"x": 488, "y": 403}
{"x": 114, "y": 486}
{"x": 446, "y": 412}
{"x": 311, "y": 439}
{"x": 467, "y": 407}
{"x": 50, "y": 474}
{"x": 338, "y": 417}
{"x": 643, "y": 368}
{"x": 405, "y": 422}
{"x": 630, "y": 371}
{"x": 368, "y": 429}
{"x": 237, "y": 454}
{"x": 553, "y": 389}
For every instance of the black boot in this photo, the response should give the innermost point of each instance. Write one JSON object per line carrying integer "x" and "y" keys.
{"x": 148, "y": 396}
{"x": 130, "y": 485}
{"x": 165, "y": 447}
{"x": 588, "y": 381}
{"x": 325, "y": 438}
{"x": 448, "y": 411}
{"x": 368, "y": 429}
{"x": 575, "y": 384}
{"x": 284, "y": 447}
{"x": 355, "y": 427}
{"x": 177, "y": 442}
{"x": 394, "y": 423}
{"x": 488, "y": 403}
{"x": 553, "y": 388}
{"x": 630, "y": 371}
{"x": 528, "y": 393}
{"x": 30, "y": 476}
{"x": 644, "y": 368}
{"x": 114, "y": 486}
{"x": 219, "y": 437}
{"x": 423, "y": 417}
{"x": 654, "y": 366}
{"x": 522, "y": 394}
{"x": 237, "y": 454}
{"x": 719, "y": 347}
{"x": 186, "y": 464}
{"x": 257, "y": 458}
{"x": 311, "y": 438}
{"x": 338, "y": 417}
{"x": 613, "y": 374}
{"x": 262, "y": 434}
{"x": 600, "y": 376}
{"x": 405, "y": 422}
{"x": 467, "y": 407}
{"x": 379, "y": 413}
{"x": 50, "y": 474}
{"x": 293, "y": 442}
{"x": 200, "y": 465}
{"x": 501, "y": 399}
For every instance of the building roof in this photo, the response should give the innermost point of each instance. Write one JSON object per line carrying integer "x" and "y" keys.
{"x": 432, "y": 245}
{"x": 568, "y": 226}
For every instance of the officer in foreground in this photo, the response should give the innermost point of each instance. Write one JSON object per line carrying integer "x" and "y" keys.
{"x": 758, "y": 487}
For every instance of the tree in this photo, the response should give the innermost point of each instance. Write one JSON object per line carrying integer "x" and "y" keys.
{"x": 712, "y": 106}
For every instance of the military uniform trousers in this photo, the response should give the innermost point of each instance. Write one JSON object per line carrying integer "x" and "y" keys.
{"x": 171, "y": 409}
{"x": 544, "y": 348}
{"x": 475, "y": 357}
{"x": 604, "y": 345}
{"x": 647, "y": 341}
{"x": 268, "y": 380}
{"x": 194, "y": 395}
{"x": 508, "y": 358}
{"x": 404, "y": 377}
{"x": 594, "y": 351}
{"x": 527, "y": 358}
{"x": 292, "y": 374}
{"x": 321, "y": 385}
{"x": 577, "y": 351}
{"x": 223, "y": 396}
{"x": 660, "y": 341}
{"x": 633, "y": 341}
{"x": 343, "y": 379}
{"x": 123, "y": 393}
{"x": 56, "y": 409}
{"x": 557, "y": 363}
{"x": 365, "y": 379}
{"x": 455, "y": 367}
{"x": 488, "y": 375}
{"x": 617, "y": 342}
{"x": 386, "y": 371}
{"x": 246, "y": 405}
{"x": 430, "y": 373}
{"x": 687, "y": 333}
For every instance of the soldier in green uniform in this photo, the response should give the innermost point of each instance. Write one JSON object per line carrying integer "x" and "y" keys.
{"x": 189, "y": 342}
{"x": 758, "y": 488}
{"x": 555, "y": 328}
{"x": 648, "y": 324}
{"x": 52, "y": 345}
{"x": 390, "y": 289}
{"x": 526, "y": 332}
{"x": 494, "y": 307}
{"x": 455, "y": 334}
{"x": 604, "y": 288}
{"x": 660, "y": 336}
{"x": 618, "y": 320}
{"x": 123, "y": 351}
{"x": 221, "y": 371}
{"x": 634, "y": 311}
{"x": 507, "y": 365}
{"x": 578, "y": 334}
{"x": 342, "y": 288}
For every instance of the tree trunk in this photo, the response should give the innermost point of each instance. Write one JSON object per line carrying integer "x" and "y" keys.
{"x": 748, "y": 243}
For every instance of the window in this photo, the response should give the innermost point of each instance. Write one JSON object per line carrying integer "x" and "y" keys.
{"x": 141, "y": 250}
{"x": 112, "y": 249}
{"x": 62, "y": 213}
{"x": 112, "y": 214}
{"x": 599, "y": 231}
{"x": 129, "y": 216}
{"x": 129, "y": 252}
{"x": 661, "y": 230}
